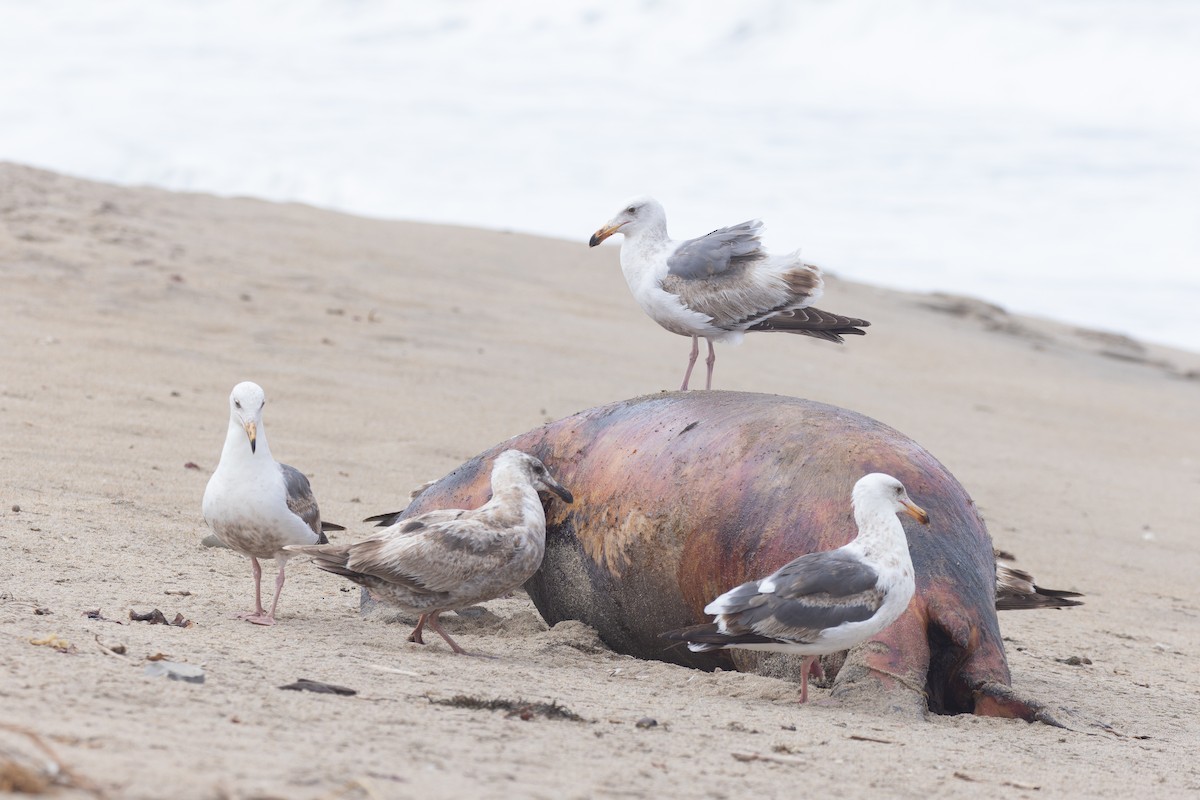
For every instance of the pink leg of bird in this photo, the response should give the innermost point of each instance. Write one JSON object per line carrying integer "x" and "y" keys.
{"x": 804, "y": 670}
{"x": 710, "y": 361}
{"x": 269, "y": 619}
{"x": 433, "y": 623}
{"x": 258, "y": 609}
{"x": 415, "y": 636}
{"x": 687, "y": 376}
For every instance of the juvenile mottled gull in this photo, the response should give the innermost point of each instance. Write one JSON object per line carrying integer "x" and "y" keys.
{"x": 254, "y": 504}
{"x": 718, "y": 286}
{"x": 452, "y": 558}
{"x": 823, "y": 602}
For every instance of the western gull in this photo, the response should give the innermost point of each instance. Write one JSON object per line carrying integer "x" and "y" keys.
{"x": 254, "y": 504}
{"x": 824, "y": 602}
{"x": 452, "y": 558}
{"x": 718, "y": 286}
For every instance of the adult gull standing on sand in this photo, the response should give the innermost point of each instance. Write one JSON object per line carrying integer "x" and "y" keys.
{"x": 452, "y": 558}
{"x": 718, "y": 286}
{"x": 254, "y": 504}
{"x": 825, "y": 602}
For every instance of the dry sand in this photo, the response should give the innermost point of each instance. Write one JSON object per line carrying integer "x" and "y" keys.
{"x": 390, "y": 352}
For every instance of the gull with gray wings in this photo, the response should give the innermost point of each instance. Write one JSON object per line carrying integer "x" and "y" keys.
{"x": 821, "y": 603}
{"x": 718, "y": 286}
{"x": 254, "y": 504}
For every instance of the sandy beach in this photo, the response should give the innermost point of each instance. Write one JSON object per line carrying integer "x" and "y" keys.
{"x": 390, "y": 352}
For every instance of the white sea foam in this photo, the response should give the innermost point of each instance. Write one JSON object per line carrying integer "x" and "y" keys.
{"x": 1042, "y": 155}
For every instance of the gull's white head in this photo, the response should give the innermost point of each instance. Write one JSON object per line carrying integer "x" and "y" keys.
{"x": 880, "y": 488}
{"x": 246, "y": 403}
{"x": 638, "y": 215}
{"x": 534, "y": 471}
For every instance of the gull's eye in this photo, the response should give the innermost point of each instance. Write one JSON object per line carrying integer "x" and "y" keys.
{"x": 631, "y": 210}
{"x": 237, "y": 403}
{"x": 539, "y": 469}
{"x": 264, "y": 405}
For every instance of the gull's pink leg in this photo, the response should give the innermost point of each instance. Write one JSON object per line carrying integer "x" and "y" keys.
{"x": 269, "y": 619}
{"x": 804, "y": 669}
{"x": 260, "y": 616}
{"x": 415, "y": 636}
{"x": 433, "y": 623}
{"x": 710, "y": 361}
{"x": 687, "y": 376}
{"x": 258, "y": 609}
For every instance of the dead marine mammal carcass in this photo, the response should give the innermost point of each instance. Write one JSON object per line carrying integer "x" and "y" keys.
{"x": 680, "y": 496}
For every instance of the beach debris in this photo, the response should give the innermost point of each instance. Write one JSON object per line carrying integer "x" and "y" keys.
{"x": 55, "y": 641}
{"x": 117, "y": 649}
{"x": 646, "y": 722}
{"x": 18, "y": 778}
{"x": 178, "y": 592}
{"x": 1029, "y": 787}
{"x": 858, "y": 737}
{"x": 16, "y": 508}
{"x": 769, "y": 757}
{"x": 191, "y": 465}
{"x": 512, "y": 708}
{"x": 394, "y": 670}
{"x": 25, "y": 772}
{"x": 156, "y": 617}
{"x": 175, "y": 670}
{"x": 95, "y": 614}
{"x": 42, "y": 611}
{"x": 306, "y": 685}
{"x": 1074, "y": 661}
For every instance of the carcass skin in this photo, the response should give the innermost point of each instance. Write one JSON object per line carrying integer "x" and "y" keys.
{"x": 680, "y": 496}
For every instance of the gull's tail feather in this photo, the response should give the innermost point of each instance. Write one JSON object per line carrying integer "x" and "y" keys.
{"x": 813, "y": 322}
{"x": 385, "y": 520}
{"x": 1015, "y": 590}
{"x": 326, "y": 527}
{"x": 704, "y": 638}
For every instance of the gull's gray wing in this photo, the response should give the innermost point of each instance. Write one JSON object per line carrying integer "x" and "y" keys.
{"x": 806, "y": 596}
{"x": 833, "y": 573}
{"x": 715, "y": 275}
{"x": 706, "y": 256}
{"x": 300, "y": 500}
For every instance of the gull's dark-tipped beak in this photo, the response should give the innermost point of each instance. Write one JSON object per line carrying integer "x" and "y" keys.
{"x": 251, "y": 434}
{"x": 558, "y": 489}
{"x": 916, "y": 512}
{"x": 602, "y": 234}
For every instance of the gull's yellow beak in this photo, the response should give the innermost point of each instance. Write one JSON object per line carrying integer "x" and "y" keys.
{"x": 602, "y": 234}
{"x": 915, "y": 511}
{"x": 251, "y": 433}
